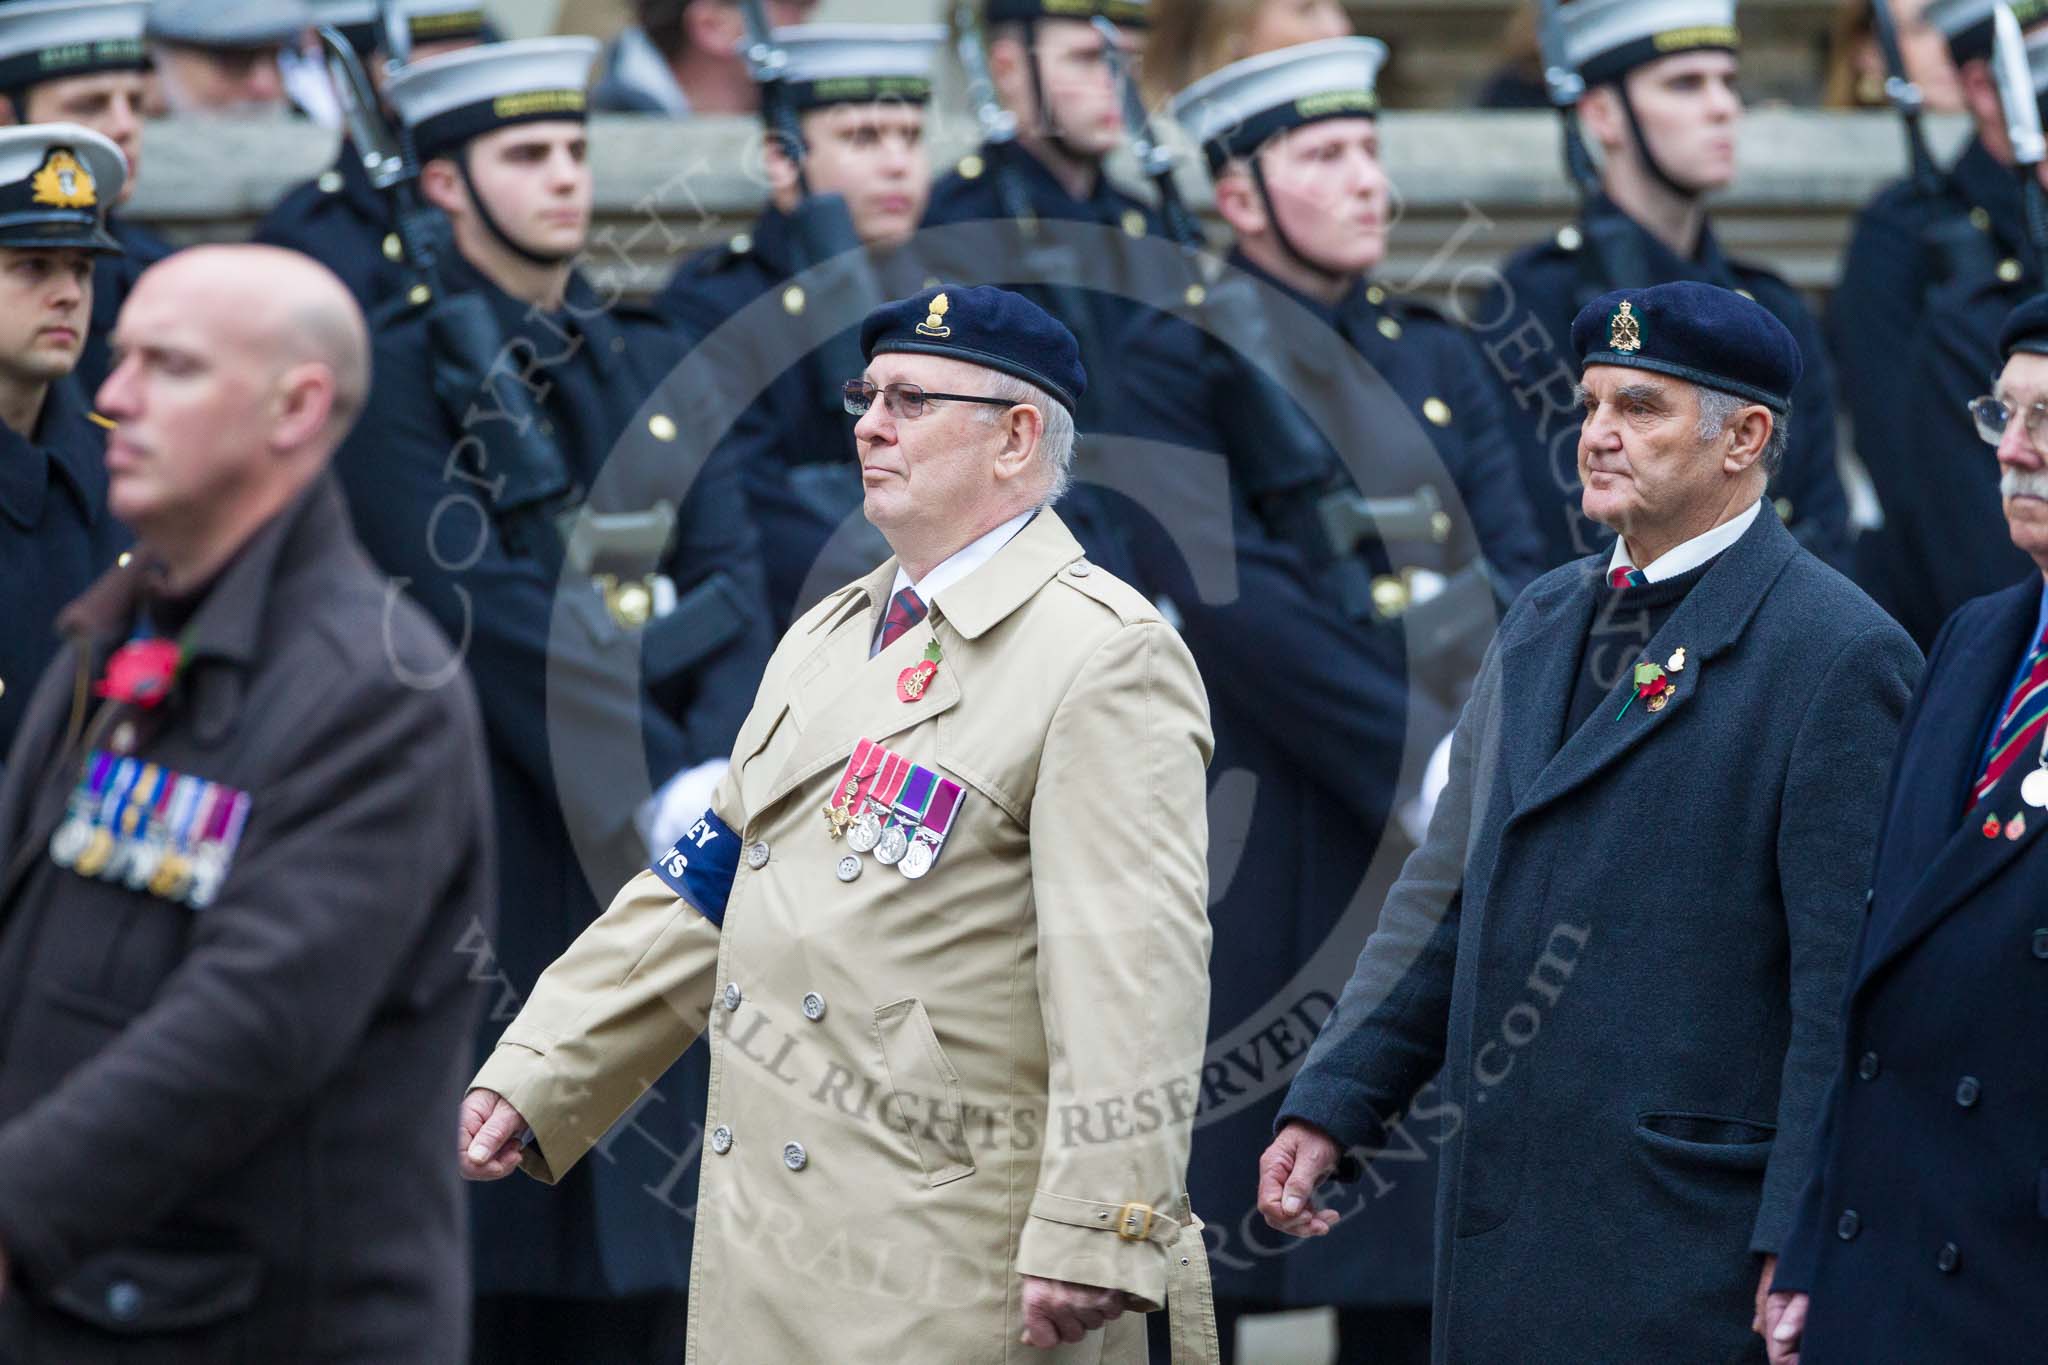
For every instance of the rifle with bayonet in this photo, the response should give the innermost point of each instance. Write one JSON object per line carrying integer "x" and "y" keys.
{"x": 1294, "y": 480}
{"x": 827, "y": 246}
{"x": 535, "y": 503}
{"x": 1613, "y": 246}
{"x": 1906, "y": 97}
{"x": 2022, "y": 103}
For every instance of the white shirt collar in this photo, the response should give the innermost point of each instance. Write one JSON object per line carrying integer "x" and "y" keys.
{"x": 961, "y": 563}
{"x": 1691, "y": 554}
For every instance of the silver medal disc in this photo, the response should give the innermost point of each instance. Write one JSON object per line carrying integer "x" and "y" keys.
{"x": 849, "y": 867}
{"x": 2034, "y": 791}
{"x": 865, "y": 832}
{"x": 69, "y": 841}
{"x": 143, "y": 863}
{"x": 917, "y": 860}
{"x": 895, "y": 843}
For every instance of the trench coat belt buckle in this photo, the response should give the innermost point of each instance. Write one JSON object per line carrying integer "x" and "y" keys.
{"x": 1134, "y": 1221}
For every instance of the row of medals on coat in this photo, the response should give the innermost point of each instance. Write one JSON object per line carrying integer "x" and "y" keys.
{"x": 892, "y": 809}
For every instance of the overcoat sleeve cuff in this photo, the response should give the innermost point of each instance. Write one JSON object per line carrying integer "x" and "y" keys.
{"x": 1110, "y": 1246}
{"x": 519, "y": 1073}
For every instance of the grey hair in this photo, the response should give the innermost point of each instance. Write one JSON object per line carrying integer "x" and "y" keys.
{"x": 1055, "y": 438}
{"x": 1718, "y": 409}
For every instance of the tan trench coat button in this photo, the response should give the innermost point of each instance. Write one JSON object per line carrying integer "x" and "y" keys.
{"x": 1079, "y": 569}
{"x": 757, "y": 856}
{"x": 794, "y": 1156}
{"x": 733, "y": 995}
{"x": 814, "y": 1007}
{"x": 849, "y": 867}
{"x": 721, "y": 1139}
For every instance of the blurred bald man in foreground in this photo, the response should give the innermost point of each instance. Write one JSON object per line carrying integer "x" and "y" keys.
{"x": 241, "y": 842}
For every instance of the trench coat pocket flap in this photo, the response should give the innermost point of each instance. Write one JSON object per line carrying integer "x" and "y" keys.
{"x": 138, "y": 1292}
{"x": 1708, "y": 1139}
{"x": 926, "y": 1090}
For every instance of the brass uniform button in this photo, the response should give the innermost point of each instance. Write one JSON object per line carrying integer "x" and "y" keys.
{"x": 1195, "y": 295}
{"x": 1980, "y": 219}
{"x": 741, "y": 244}
{"x": 661, "y": 427}
{"x": 330, "y": 182}
{"x": 1437, "y": 411}
{"x": 1389, "y": 596}
{"x": 1570, "y": 238}
{"x": 1375, "y": 295}
{"x": 2009, "y": 271}
{"x": 970, "y": 167}
{"x": 418, "y": 295}
{"x": 793, "y": 300}
{"x": 394, "y": 250}
{"x": 1134, "y": 223}
{"x": 1390, "y": 329}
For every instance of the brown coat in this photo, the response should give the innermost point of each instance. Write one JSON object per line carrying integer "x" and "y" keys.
{"x": 921, "y": 1089}
{"x": 224, "y": 1131}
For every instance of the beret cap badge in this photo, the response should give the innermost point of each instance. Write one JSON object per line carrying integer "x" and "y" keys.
{"x": 1625, "y": 332}
{"x": 64, "y": 183}
{"x": 935, "y": 324}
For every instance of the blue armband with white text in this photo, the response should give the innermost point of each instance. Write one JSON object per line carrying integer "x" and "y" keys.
{"x": 701, "y": 865}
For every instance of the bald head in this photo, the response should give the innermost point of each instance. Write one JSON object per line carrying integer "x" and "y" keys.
{"x": 279, "y": 310}
{"x": 240, "y": 371}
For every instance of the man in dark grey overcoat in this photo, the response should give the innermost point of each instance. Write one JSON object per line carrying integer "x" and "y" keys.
{"x": 1626, "y": 934}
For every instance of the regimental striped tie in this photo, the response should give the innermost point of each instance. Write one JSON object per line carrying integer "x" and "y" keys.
{"x": 1622, "y": 576}
{"x": 2020, "y": 724}
{"x": 906, "y": 609}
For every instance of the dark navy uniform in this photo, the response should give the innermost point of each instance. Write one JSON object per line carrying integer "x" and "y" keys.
{"x": 340, "y": 220}
{"x": 794, "y": 446}
{"x": 56, "y": 537}
{"x": 1318, "y": 708}
{"x": 1527, "y": 329}
{"x": 112, "y": 278}
{"x": 1927, "y": 284}
{"x": 971, "y": 194}
{"x": 609, "y": 1238}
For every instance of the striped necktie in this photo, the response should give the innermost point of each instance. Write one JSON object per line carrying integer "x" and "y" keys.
{"x": 1622, "y": 576}
{"x": 2020, "y": 724}
{"x": 906, "y": 609}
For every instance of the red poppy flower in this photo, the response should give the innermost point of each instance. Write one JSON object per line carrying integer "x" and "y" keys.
{"x": 1656, "y": 686}
{"x": 141, "y": 672}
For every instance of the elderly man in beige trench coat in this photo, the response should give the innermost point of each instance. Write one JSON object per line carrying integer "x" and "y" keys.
{"x": 944, "y": 924}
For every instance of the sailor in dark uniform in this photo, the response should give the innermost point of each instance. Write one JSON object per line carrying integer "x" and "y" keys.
{"x": 860, "y": 93}
{"x": 56, "y": 536}
{"x": 1931, "y": 274}
{"x": 1662, "y": 103}
{"x": 626, "y": 648}
{"x": 82, "y": 61}
{"x": 1326, "y": 686}
{"x": 1047, "y": 66}
{"x": 339, "y": 218}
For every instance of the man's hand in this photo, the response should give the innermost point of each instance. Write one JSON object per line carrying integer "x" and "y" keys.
{"x": 1056, "y": 1311}
{"x": 1300, "y": 1159}
{"x": 1785, "y": 1327}
{"x": 489, "y": 1141}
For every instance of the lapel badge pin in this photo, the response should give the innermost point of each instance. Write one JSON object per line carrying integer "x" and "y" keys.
{"x": 1991, "y": 827}
{"x": 912, "y": 681}
{"x": 2034, "y": 791}
{"x": 1676, "y": 663}
{"x": 1653, "y": 688}
{"x": 2016, "y": 828}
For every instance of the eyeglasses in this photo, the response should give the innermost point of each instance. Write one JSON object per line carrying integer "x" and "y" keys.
{"x": 905, "y": 401}
{"x": 1993, "y": 415}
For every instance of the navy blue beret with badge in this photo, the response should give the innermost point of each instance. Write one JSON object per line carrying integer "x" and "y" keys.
{"x": 2026, "y": 329}
{"x": 1698, "y": 332}
{"x": 982, "y": 325}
